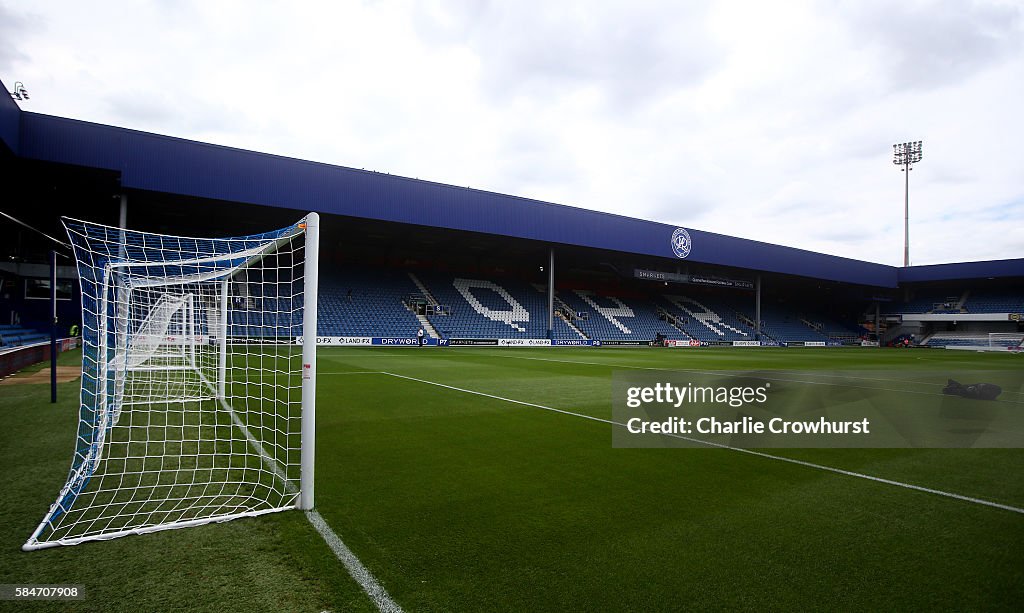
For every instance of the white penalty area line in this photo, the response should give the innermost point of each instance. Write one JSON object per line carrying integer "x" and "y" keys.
{"x": 760, "y": 454}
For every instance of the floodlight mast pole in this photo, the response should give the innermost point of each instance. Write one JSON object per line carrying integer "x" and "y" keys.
{"x": 906, "y": 155}
{"x": 906, "y": 215}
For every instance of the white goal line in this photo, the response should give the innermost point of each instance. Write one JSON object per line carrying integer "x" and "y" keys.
{"x": 356, "y": 569}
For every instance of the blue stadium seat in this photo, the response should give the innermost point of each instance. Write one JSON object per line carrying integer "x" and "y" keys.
{"x": 17, "y": 336}
{"x": 618, "y": 319}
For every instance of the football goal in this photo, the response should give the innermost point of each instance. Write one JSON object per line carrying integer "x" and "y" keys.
{"x": 198, "y": 381}
{"x": 1005, "y": 340}
{"x": 978, "y": 341}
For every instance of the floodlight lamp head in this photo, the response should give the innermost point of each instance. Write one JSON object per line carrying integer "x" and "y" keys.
{"x": 19, "y": 93}
{"x": 907, "y": 153}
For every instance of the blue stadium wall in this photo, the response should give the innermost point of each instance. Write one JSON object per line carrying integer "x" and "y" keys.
{"x": 177, "y": 166}
{"x": 10, "y": 118}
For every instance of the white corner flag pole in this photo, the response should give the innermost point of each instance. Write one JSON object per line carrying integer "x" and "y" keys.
{"x": 309, "y": 296}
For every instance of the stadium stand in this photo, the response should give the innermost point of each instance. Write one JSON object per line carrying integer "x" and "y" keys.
{"x": 789, "y": 328}
{"x": 953, "y": 301}
{"x": 376, "y": 302}
{"x": 831, "y": 328}
{"x": 708, "y": 319}
{"x": 17, "y": 336}
{"x": 928, "y": 304}
{"x": 930, "y": 301}
{"x": 356, "y": 302}
{"x": 482, "y": 308}
{"x": 788, "y": 325}
{"x": 564, "y": 332}
{"x": 995, "y": 302}
{"x": 614, "y": 319}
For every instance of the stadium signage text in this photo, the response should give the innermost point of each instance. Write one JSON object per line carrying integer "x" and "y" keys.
{"x": 524, "y": 342}
{"x": 720, "y": 282}
{"x": 676, "y": 277}
{"x": 657, "y": 275}
{"x": 374, "y": 341}
{"x": 397, "y": 341}
{"x": 408, "y": 342}
{"x": 680, "y": 344}
{"x": 340, "y": 341}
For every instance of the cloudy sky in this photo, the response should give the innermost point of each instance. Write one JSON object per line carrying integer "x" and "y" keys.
{"x": 767, "y": 120}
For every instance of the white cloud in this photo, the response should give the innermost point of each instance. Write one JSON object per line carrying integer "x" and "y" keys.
{"x": 771, "y": 121}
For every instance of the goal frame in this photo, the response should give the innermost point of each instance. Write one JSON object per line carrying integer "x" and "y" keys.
{"x": 304, "y": 497}
{"x": 1016, "y": 338}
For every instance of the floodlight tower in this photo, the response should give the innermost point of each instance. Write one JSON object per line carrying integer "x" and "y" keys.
{"x": 906, "y": 155}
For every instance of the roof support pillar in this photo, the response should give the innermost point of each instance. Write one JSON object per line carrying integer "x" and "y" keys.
{"x": 551, "y": 294}
{"x": 757, "y": 309}
{"x": 878, "y": 321}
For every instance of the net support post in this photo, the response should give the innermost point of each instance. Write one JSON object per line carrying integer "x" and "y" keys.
{"x": 222, "y": 359}
{"x": 309, "y": 294}
{"x": 53, "y": 327}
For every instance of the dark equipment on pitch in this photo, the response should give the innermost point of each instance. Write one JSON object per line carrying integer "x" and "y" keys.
{"x": 977, "y": 391}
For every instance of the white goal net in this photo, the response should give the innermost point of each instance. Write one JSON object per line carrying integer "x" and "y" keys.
{"x": 978, "y": 341}
{"x": 1010, "y": 341}
{"x": 196, "y": 402}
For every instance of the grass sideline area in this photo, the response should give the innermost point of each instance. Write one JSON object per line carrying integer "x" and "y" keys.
{"x": 276, "y": 563}
{"x": 458, "y": 501}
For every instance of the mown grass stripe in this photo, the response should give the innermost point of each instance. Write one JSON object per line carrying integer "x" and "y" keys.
{"x": 761, "y": 454}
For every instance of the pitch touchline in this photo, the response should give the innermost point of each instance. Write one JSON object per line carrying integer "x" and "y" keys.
{"x": 760, "y": 454}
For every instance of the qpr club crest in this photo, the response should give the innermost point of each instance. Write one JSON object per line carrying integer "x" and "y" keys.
{"x": 681, "y": 243}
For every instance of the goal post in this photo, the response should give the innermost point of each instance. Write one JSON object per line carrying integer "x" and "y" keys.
{"x": 197, "y": 404}
{"x": 308, "y": 425}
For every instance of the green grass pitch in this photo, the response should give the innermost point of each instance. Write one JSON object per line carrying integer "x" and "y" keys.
{"x": 458, "y": 501}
